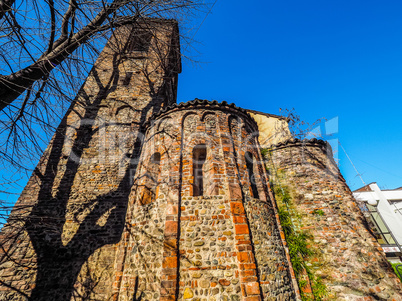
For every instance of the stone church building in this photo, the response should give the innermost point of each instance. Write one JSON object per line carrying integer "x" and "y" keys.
{"x": 140, "y": 198}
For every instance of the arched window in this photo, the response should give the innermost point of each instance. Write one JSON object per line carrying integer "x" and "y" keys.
{"x": 250, "y": 163}
{"x": 154, "y": 163}
{"x": 151, "y": 179}
{"x": 199, "y": 157}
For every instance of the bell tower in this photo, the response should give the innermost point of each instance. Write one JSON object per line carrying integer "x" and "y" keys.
{"x": 61, "y": 237}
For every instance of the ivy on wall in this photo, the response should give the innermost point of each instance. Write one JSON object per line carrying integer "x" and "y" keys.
{"x": 398, "y": 270}
{"x": 298, "y": 241}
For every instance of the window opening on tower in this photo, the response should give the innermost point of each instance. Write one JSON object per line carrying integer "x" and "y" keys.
{"x": 199, "y": 157}
{"x": 151, "y": 179}
{"x": 250, "y": 163}
{"x": 140, "y": 41}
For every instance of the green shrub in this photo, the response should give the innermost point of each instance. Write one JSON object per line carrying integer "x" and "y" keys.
{"x": 298, "y": 242}
{"x": 400, "y": 269}
{"x": 264, "y": 151}
{"x": 318, "y": 212}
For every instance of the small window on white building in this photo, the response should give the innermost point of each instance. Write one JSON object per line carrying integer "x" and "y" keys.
{"x": 382, "y": 233}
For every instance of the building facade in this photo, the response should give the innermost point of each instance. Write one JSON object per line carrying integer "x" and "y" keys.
{"x": 347, "y": 257}
{"x": 138, "y": 198}
{"x": 384, "y": 209}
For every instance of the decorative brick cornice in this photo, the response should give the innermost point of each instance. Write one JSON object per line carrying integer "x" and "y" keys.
{"x": 295, "y": 142}
{"x": 205, "y": 105}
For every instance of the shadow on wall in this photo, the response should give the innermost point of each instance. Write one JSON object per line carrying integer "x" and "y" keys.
{"x": 57, "y": 263}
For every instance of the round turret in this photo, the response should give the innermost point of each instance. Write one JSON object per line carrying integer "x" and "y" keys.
{"x": 323, "y": 205}
{"x": 202, "y": 224}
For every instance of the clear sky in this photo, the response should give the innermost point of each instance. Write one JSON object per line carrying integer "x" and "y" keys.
{"x": 341, "y": 60}
{"x": 332, "y": 59}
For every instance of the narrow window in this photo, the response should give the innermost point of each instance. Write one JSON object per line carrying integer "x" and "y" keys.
{"x": 154, "y": 165}
{"x": 199, "y": 157}
{"x": 140, "y": 41}
{"x": 151, "y": 179}
{"x": 127, "y": 78}
{"x": 250, "y": 168}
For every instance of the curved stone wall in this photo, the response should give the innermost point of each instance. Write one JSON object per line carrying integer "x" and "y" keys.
{"x": 349, "y": 259}
{"x": 60, "y": 240}
{"x": 221, "y": 244}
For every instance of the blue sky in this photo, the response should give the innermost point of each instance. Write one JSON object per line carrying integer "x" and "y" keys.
{"x": 339, "y": 60}
{"x": 327, "y": 59}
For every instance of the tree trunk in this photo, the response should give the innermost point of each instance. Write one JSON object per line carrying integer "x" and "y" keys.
{"x": 15, "y": 84}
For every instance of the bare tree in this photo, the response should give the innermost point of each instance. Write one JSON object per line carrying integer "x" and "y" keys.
{"x": 60, "y": 34}
{"x": 39, "y": 108}
{"x": 300, "y": 128}
{"x": 47, "y": 48}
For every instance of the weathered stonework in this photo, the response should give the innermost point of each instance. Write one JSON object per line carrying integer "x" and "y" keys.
{"x": 349, "y": 259}
{"x": 137, "y": 198}
{"x": 60, "y": 240}
{"x": 221, "y": 245}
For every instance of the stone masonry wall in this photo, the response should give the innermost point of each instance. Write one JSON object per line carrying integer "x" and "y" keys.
{"x": 348, "y": 258}
{"x": 61, "y": 239}
{"x": 221, "y": 245}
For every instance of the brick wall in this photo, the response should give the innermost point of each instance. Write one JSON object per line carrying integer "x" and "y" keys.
{"x": 61, "y": 238}
{"x": 135, "y": 199}
{"x": 347, "y": 257}
{"x": 222, "y": 245}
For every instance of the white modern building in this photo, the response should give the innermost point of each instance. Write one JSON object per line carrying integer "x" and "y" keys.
{"x": 383, "y": 209}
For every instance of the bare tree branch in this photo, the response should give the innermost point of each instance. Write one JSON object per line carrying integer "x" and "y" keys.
{"x": 5, "y": 6}
{"x": 47, "y": 48}
{"x": 111, "y": 15}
